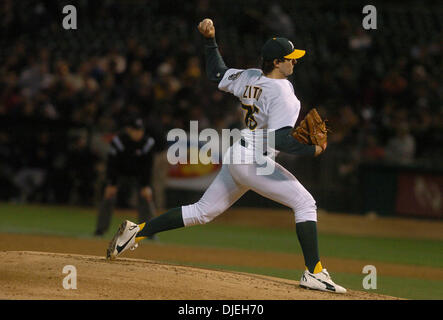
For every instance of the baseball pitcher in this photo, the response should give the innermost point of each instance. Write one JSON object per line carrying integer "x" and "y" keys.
{"x": 269, "y": 104}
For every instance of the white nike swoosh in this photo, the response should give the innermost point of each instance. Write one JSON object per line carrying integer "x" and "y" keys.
{"x": 120, "y": 248}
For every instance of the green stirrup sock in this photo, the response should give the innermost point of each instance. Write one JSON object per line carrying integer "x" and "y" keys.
{"x": 307, "y": 236}
{"x": 169, "y": 220}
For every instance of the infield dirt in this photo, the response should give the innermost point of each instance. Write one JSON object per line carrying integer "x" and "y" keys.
{"x": 37, "y": 275}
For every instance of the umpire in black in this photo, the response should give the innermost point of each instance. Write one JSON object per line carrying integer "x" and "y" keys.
{"x": 131, "y": 155}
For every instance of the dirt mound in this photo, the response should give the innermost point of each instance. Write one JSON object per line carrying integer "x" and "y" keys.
{"x": 39, "y": 275}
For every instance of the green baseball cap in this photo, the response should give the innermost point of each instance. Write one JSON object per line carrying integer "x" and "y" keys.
{"x": 279, "y": 48}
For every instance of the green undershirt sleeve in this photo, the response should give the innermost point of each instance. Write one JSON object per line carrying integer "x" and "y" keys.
{"x": 286, "y": 143}
{"x": 215, "y": 66}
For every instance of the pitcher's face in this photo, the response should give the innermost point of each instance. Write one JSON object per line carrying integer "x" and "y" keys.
{"x": 287, "y": 67}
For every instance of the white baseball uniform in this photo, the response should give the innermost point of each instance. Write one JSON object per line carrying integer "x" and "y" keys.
{"x": 268, "y": 104}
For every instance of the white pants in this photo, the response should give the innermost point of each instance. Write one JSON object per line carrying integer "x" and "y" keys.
{"x": 234, "y": 180}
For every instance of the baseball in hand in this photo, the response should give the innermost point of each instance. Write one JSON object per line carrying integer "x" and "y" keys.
{"x": 206, "y": 28}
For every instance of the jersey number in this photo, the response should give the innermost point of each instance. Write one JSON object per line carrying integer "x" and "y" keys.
{"x": 250, "y": 121}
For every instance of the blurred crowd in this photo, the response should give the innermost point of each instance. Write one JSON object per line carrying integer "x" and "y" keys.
{"x": 64, "y": 92}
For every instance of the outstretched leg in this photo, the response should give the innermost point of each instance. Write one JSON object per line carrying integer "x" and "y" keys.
{"x": 220, "y": 195}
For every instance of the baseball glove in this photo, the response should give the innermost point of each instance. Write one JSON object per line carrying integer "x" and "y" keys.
{"x": 312, "y": 130}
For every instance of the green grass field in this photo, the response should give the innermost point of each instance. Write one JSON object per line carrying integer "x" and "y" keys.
{"x": 79, "y": 222}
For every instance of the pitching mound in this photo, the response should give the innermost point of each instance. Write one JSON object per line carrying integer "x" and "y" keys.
{"x": 39, "y": 275}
